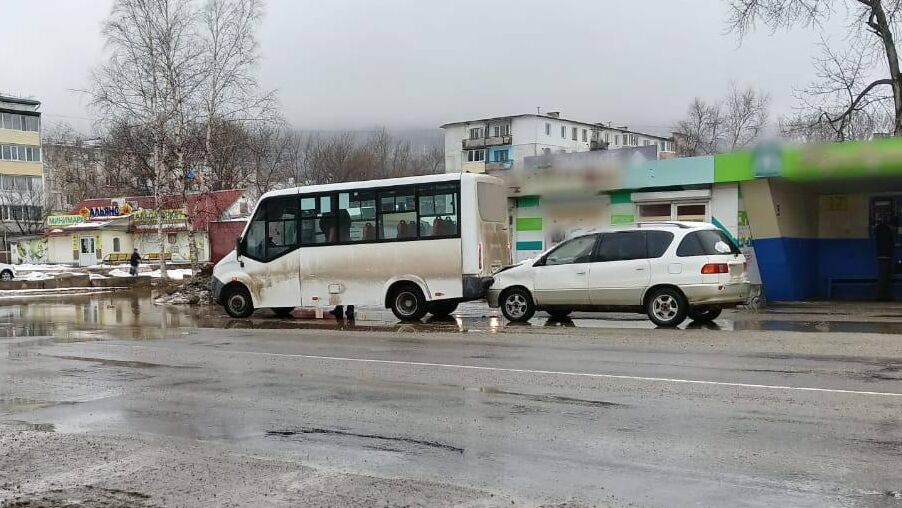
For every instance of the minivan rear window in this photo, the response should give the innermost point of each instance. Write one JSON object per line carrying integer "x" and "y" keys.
{"x": 710, "y": 242}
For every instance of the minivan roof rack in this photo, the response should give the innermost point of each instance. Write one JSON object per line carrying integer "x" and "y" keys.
{"x": 663, "y": 223}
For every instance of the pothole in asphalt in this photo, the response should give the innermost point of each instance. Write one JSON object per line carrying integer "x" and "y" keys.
{"x": 376, "y": 437}
{"x": 556, "y": 399}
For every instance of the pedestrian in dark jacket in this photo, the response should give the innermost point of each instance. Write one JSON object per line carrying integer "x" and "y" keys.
{"x": 135, "y": 259}
{"x": 885, "y": 234}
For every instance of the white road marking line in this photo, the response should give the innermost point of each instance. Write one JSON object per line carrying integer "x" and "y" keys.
{"x": 535, "y": 371}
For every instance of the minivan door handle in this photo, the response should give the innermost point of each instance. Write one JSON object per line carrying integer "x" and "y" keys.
{"x": 580, "y": 273}
{"x": 640, "y": 269}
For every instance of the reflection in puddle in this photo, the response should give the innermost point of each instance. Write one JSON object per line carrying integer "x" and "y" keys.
{"x": 133, "y": 315}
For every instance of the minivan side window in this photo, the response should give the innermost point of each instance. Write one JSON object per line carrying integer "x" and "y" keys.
{"x": 657, "y": 242}
{"x": 577, "y": 250}
{"x": 710, "y": 242}
{"x": 622, "y": 246}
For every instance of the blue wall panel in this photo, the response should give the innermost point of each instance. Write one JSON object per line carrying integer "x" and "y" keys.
{"x": 789, "y": 268}
{"x": 795, "y": 269}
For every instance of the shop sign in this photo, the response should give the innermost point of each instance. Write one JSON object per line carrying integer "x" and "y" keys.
{"x": 151, "y": 217}
{"x": 55, "y": 221}
{"x": 97, "y": 212}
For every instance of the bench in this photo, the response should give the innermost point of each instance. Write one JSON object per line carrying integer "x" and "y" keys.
{"x": 155, "y": 256}
{"x": 116, "y": 258}
{"x": 858, "y": 281}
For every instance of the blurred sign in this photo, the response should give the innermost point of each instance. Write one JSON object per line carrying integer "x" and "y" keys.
{"x": 151, "y": 217}
{"x": 55, "y": 221}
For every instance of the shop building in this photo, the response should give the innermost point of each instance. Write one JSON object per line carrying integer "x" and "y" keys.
{"x": 804, "y": 215}
{"x": 97, "y": 228}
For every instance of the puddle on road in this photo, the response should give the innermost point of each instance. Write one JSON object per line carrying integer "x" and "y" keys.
{"x": 133, "y": 315}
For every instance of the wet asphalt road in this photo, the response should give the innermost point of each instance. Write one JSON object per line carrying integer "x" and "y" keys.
{"x": 594, "y": 413}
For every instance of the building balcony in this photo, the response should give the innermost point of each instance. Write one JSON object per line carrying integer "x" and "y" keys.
{"x": 498, "y": 165}
{"x": 471, "y": 144}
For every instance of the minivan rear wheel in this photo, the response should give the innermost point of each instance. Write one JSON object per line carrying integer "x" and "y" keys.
{"x": 667, "y": 307}
{"x": 704, "y": 313}
{"x": 517, "y": 305}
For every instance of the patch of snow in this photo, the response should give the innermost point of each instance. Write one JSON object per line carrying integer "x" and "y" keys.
{"x": 35, "y": 276}
{"x": 97, "y": 276}
{"x": 174, "y": 274}
{"x": 116, "y": 272}
{"x": 28, "y": 267}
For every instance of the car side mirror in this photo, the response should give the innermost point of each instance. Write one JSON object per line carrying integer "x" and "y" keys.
{"x": 238, "y": 246}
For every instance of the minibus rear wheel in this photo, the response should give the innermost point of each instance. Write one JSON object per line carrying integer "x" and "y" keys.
{"x": 408, "y": 303}
{"x": 237, "y": 301}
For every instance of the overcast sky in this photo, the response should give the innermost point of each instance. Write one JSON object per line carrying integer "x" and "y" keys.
{"x": 352, "y": 64}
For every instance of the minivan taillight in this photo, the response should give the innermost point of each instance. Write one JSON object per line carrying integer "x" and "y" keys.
{"x": 715, "y": 268}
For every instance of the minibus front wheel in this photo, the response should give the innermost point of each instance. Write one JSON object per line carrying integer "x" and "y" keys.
{"x": 237, "y": 301}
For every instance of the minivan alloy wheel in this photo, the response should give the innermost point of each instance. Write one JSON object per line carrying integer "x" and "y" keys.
{"x": 516, "y": 305}
{"x": 665, "y": 307}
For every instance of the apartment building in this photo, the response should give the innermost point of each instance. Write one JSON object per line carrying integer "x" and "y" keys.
{"x": 21, "y": 168}
{"x": 500, "y": 143}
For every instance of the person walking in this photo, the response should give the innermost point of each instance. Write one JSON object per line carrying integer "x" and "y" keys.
{"x": 886, "y": 246}
{"x": 135, "y": 259}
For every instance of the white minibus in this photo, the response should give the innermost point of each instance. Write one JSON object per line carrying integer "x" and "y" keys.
{"x": 416, "y": 245}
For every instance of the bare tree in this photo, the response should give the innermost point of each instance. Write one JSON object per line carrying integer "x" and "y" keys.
{"x": 731, "y": 124}
{"x": 745, "y": 116}
{"x": 150, "y": 81}
{"x": 73, "y": 167}
{"x": 853, "y": 83}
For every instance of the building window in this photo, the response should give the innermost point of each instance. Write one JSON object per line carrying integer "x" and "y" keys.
{"x": 506, "y": 129}
{"x": 617, "y": 139}
{"x": 476, "y": 133}
{"x": 475, "y": 155}
{"x": 13, "y": 121}
{"x": 20, "y": 153}
{"x": 501, "y": 155}
{"x": 547, "y": 129}
{"x": 116, "y": 246}
{"x": 563, "y": 131}
{"x": 585, "y": 135}
{"x": 497, "y": 130}
{"x": 573, "y": 133}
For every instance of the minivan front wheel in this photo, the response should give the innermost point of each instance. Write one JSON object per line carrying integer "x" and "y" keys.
{"x": 667, "y": 307}
{"x": 517, "y": 305}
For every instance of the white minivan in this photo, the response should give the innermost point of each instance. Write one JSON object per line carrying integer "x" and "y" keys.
{"x": 666, "y": 270}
